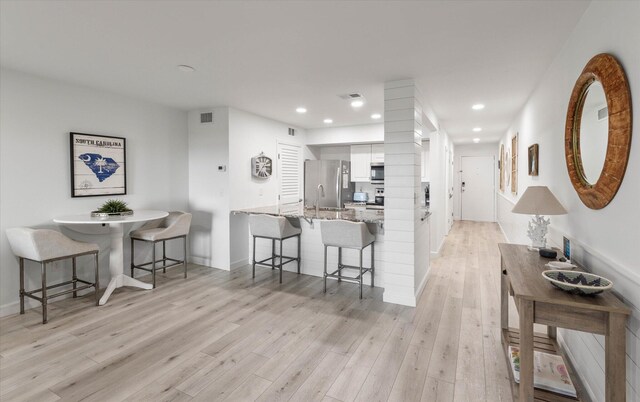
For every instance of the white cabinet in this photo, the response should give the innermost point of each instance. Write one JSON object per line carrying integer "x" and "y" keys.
{"x": 377, "y": 153}
{"x": 361, "y": 163}
{"x": 424, "y": 171}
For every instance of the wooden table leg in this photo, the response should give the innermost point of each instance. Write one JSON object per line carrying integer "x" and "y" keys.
{"x": 504, "y": 299}
{"x": 526, "y": 350}
{"x": 615, "y": 358}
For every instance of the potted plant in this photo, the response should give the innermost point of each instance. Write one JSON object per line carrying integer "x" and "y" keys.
{"x": 112, "y": 208}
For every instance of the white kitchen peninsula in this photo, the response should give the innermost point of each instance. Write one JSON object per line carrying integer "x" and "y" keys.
{"x": 312, "y": 258}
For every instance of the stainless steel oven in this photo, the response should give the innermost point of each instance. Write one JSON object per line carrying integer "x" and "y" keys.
{"x": 377, "y": 173}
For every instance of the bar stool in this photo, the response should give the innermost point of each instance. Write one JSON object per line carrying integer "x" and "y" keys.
{"x": 174, "y": 226}
{"x": 46, "y": 246}
{"x": 273, "y": 228}
{"x": 352, "y": 235}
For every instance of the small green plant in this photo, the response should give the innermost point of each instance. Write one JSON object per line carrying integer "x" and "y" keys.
{"x": 114, "y": 206}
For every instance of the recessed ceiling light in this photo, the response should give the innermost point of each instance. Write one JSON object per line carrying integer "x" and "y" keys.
{"x": 477, "y": 129}
{"x": 477, "y": 106}
{"x": 301, "y": 110}
{"x": 357, "y": 103}
{"x": 186, "y": 69}
{"x": 328, "y": 121}
{"x": 476, "y": 140}
{"x": 376, "y": 116}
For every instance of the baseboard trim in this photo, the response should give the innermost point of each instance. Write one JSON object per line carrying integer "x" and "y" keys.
{"x": 398, "y": 299}
{"x": 567, "y": 352}
{"x": 205, "y": 262}
{"x": 240, "y": 263}
{"x": 423, "y": 284}
{"x": 436, "y": 253}
{"x": 503, "y": 232}
{"x": 14, "y": 307}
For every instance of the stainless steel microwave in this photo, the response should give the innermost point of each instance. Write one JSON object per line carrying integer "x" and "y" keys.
{"x": 377, "y": 173}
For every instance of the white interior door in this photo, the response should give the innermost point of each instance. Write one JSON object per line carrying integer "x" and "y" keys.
{"x": 477, "y": 188}
{"x": 289, "y": 173}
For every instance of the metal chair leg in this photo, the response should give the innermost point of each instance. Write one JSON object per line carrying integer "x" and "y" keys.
{"x": 44, "y": 292}
{"x": 339, "y": 264}
{"x": 74, "y": 276}
{"x": 273, "y": 253}
{"x": 153, "y": 265}
{"x": 280, "y": 261}
{"x": 299, "y": 254}
{"x": 132, "y": 268}
{"x": 325, "y": 269}
{"x": 373, "y": 270}
{"x": 185, "y": 257}
{"x": 361, "y": 273}
{"x": 97, "y": 283}
{"x": 253, "y": 261}
{"x": 164, "y": 256}
{"x": 21, "y": 285}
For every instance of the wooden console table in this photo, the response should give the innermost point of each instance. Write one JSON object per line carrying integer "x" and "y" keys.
{"x": 539, "y": 302}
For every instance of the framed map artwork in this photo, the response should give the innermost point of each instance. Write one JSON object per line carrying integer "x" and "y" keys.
{"x": 98, "y": 165}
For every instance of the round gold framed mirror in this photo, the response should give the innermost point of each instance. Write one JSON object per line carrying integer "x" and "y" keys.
{"x": 598, "y": 131}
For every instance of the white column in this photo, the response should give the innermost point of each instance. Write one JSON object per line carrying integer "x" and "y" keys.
{"x": 402, "y": 147}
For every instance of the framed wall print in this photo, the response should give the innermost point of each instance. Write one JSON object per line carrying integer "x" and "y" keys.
{"x": 533, "y": 160}
{"x": 501, "y": 167}
{"x": 98, "y": 165}
{"x": 514, "y": 164}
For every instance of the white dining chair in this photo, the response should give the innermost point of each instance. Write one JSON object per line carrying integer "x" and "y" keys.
{"x": 45, "y": 246}
{"x": 175, "y": 226}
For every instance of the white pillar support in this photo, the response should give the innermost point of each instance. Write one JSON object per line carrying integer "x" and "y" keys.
{"x": 402, "y": 147}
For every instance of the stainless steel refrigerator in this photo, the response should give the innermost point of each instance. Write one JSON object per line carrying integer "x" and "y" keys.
{"x": 334, "y": 176}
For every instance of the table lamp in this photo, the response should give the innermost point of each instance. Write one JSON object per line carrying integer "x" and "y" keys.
{"x": 538, "y": 201}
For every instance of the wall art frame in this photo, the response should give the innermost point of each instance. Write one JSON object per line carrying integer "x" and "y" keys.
{"x": 98, "y": 165}
{"x": 514, "y": 164}
{"x": 532, "y": 159}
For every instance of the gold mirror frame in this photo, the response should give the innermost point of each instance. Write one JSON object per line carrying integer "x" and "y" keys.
{"x": 605, "y": 69}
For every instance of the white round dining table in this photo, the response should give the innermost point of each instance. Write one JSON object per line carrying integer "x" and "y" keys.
{"x": 116, "y": 232}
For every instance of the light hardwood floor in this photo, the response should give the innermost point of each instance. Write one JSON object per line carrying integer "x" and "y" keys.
{"x": 223, "y": 336}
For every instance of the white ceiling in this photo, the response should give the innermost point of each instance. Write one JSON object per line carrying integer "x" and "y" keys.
{"x": 269, "y": 57}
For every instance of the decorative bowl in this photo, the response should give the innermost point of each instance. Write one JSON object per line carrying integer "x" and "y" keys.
{"x": 107, "y": 215}
{"x": 576, "y": 282}
{"x": 560, "y": 265}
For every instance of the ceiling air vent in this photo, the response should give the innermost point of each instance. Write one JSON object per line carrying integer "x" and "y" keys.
{"x": 292, "y": 131}
{"x": 351, "y": 96}
{"x": 603, "y": 113}
{"x": 206, "y": 117}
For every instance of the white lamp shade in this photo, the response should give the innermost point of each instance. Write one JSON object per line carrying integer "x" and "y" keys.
{"x": 538, "y": 200}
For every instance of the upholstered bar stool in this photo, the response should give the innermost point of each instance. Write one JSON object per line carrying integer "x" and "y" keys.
{"x": 273, "y": 228}
{"x": 175, "y": 226}
{"x": 45, "y": 246}
{"x": 352, "y": 235}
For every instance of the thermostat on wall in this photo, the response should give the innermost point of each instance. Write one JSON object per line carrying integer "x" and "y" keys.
{"x": 222, "y": 168}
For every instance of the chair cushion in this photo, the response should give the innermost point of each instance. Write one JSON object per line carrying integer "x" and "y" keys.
{"x": 340, "y": 233}
{"x": 274, "y": 227}
{"x": 45, "y": 244}
{"x": 177, "y": 223}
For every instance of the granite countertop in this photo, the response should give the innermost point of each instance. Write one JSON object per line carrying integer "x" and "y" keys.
{"x": 298, "y": 211}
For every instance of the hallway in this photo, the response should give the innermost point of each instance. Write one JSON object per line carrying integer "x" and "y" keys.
{"x": 221, "y": 335}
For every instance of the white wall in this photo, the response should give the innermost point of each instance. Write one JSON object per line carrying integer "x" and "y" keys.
{"x": 209, "y": 192}
{"x": 488, "y": 149}
{"x": 606, "y": 240}
{"x": 249, "y": 135}
{"x": 362, "y": 134}
{"x": 335, "y": 152}
{"x": 37, "y": 116}
{"x": 439, "y": 192}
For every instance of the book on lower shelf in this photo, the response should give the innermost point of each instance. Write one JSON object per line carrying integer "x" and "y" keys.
{"x": 549, "y": 371}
